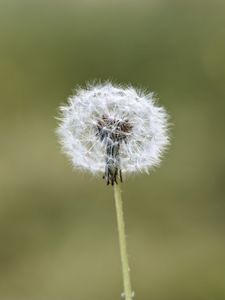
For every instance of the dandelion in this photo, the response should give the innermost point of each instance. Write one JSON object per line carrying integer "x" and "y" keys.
{"x": 114, "y": 130}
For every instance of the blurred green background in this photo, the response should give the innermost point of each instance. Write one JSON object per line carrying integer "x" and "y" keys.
{"x": 58, "y": 236}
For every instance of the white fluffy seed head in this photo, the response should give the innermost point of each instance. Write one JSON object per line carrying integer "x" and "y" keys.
{"x": 107, "y": 113}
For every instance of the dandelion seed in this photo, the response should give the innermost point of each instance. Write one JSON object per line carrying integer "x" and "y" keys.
{"x": 113, "y": 129}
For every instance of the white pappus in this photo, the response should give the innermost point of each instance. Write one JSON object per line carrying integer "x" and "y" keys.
{"x": 112, "y": 129}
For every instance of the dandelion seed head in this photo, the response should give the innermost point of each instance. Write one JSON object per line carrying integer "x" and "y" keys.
{"x": 107, "y": 122}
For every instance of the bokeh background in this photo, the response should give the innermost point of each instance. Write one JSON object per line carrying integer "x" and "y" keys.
{"x": 58, "y": 235}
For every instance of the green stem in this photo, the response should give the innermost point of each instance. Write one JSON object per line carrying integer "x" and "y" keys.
{"x": 122, "y": 242}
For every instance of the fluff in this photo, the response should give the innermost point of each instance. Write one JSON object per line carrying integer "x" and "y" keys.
{"x": 109, "y": 128}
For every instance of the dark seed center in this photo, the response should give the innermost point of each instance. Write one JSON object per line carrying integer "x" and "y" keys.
{"x": 112, "y": 132}
{"x": 116, "y": 130}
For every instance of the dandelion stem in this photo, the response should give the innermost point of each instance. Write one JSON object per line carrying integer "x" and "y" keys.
{"x": 122, "y": 241}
